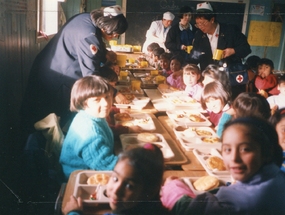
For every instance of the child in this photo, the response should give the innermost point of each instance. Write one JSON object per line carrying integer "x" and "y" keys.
{"x": 135, "y": 183}
{"x": 214, "y": 73}
{"x": 215, "y": 99}
{"x": 112, "y": 78}
{"x": 245, "y": 105}
{"x": 155, "y": 57}
{"x": 278, "y": 121}
{"x": 165, "y": 64}
{"x": 192, "y": 80}
{"x": 251, "y": 64}
{"x": 89, "y": 143}
{"x": 176, "y": 79}
{"x": 252, "y": 155}
{"x": 266, "y": 81}
{"x": 278, "y": 101}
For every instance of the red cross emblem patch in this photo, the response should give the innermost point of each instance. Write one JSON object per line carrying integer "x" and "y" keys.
{"x": 239, "y": 78}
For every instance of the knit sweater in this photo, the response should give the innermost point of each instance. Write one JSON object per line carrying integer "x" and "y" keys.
{"x": 89, "y": 144}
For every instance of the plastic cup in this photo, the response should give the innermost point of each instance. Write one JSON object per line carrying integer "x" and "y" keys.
{"x": 160, "y": 79}
{"x": 113, "y": 42}
{"x": 218, "y": 54}
{"x": 143, "y": 64}
{"x": 189, "y": 48}
{"x": 124, "y": 75}
{"x": 136, "y": 85}
{"x": 131, "y": 60}
{"x": 137, "y": 48}
{"x": 154, "y": 72}
{"x": 121, "y": 60}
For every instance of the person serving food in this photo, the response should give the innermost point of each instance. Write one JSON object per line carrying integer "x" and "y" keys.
{"x": 77, "y": 50}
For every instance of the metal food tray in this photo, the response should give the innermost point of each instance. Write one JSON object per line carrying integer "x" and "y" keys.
{"x": 130, "y": 140}
{"x": 83, "y": 190}
{"x": 142, "y": 120}
{"x": 203, "y": 154}
{"x": 183, "y": 101}
{"x": 184, "y": 120}
{"x": 191, "y": 139}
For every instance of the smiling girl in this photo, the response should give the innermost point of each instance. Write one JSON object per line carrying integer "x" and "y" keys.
{"x": 252, "y": 155}
{"x": 192, "y": 80}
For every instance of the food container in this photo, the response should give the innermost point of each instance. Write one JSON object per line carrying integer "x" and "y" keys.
{"x": 130, "y": 140}
{"x": 142, "y": 120}
{"x": 83, "y": 190}
{"x": 194, "y": 137}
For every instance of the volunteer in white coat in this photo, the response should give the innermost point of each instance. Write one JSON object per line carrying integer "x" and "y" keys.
{"x": 158, "y": 30}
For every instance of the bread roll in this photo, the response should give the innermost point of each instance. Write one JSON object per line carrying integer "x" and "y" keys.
{"x": 98, "y": 179}
{"x": 215, "y": 162}
{"x": 206, "y": 183}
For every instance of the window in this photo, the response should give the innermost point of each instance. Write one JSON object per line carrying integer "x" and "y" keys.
{"x": 47, "y": 19}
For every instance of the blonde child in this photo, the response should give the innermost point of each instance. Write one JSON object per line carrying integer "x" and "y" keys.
{"x": 278, "y": 121}
{"x": 253, "y": 157}
{"x": 176, "y": 78}
{"x": 89, "y": 142}
{"x": 266, "y": 82}
{"x": 192, "y": 80}
{"x": 134, "y": 185}
{"x": 215, "y": 99}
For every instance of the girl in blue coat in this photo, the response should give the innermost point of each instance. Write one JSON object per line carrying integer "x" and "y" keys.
{"x": 251, "y": 153}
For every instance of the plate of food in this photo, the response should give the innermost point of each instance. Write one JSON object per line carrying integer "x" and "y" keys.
{"x": 167, "y": 90}
{"x": 134, "y": 140}
{"x": 142, "y": 120}
{"x": 128, "y": 90}
{"x": 212, "y": 161}
{"x": 91, "y": 186}
{"x": 206, "y": 183}
{"x": 197, "y": 137}
{"x": 183, "y": 101}
{"x": 188, "y": 118}
{"x": 136, "y": 102}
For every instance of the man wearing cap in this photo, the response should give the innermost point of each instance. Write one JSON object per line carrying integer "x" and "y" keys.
{"x": 212, "y": 35}
{"x": 158, "y": 31}
{"x": 77, "y": 50}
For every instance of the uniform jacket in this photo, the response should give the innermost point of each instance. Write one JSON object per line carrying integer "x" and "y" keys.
{"x": 229, "y": 37}
{"x": 66, "y": 58}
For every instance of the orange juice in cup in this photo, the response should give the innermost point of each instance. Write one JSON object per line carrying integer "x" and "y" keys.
{"x": 144, "y": 64}
{"x": 121, "y": 60}
{"x": 160, "y": 79}
{"x": 124, "y": 75}
{"x": 154, "y": 72}
{"x": 135, "y": 85}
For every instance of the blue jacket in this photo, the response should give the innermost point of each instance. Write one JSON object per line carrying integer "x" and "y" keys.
{"x": 264, "y": 193}
{"x": 89, "y": 144}
{"x": 65, "y": 59}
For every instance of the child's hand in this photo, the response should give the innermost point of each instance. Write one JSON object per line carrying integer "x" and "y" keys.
{"x": 135, "y": 129}
{"x": 73, "y": 204}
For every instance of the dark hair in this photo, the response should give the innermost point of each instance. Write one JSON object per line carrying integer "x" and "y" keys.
{"x": 152, "y": 46}
{"x": 179, "y": 58}
{"x": 87, "y": 87}
{"x": 263, "y": 133}
{"x": 266, "y": 61}
{"x": 214, "y": 72}
{"x": 107, "y": 73}
{"x": 277, "y": 116}
{"x": 251, "y": 62}
{"x": 110, "y": 24}
{"x": 214, "y": 90}
{"x": 148, "y": 164}
{"x": 165, "y": 55}
{"x": 183, "y": 10}
{"x": 158, "y": 51}
{"x": 251, "y": 104}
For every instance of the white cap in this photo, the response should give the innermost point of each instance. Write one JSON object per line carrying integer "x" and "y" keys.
{"x": 112, "y": 10}
{"x": 204, "y": 6}
{"x": 168, "y": 16}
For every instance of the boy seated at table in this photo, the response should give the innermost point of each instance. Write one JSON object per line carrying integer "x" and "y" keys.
{"x": 266, "y": 81}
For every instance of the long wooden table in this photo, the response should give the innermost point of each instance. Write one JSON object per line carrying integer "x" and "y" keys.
{"x": 104, "y": 208}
